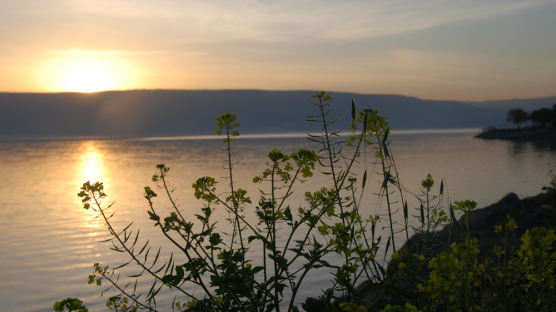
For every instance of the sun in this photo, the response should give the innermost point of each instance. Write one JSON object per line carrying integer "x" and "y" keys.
{"x": 86, "y": 71}
{"x": 87, "y": 76}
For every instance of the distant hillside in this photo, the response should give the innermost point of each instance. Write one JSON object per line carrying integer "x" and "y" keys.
{"x": 526, "y": 104}
{"x": 184, "y": 112}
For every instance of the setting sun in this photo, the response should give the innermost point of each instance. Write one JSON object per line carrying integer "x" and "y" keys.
{"x": 87, "y": 76}
{"x": 86, "y": 71}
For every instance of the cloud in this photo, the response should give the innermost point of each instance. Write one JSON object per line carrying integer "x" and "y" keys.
{"x": 82, "y": 52}
{"x": 264, "y": 21}
{"x": 341, "y": 45}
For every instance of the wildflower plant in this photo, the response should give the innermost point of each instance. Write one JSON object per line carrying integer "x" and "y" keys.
{"x": 271, "y": 244}
{"x": 328, "y": 232}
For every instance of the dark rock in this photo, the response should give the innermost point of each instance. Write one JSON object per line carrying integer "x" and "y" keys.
{"x": 527, "y": 213}
{"x": 481, "y": 220}
{"x": 399, "y": 285}
{"x": 539, "y": 216}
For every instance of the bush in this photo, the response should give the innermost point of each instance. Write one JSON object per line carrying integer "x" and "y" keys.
{"x": 330, "y": 232}
{"x": 293, "y": 242}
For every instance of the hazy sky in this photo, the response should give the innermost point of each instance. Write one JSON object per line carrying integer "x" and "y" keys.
{"x": 430, "y": 49}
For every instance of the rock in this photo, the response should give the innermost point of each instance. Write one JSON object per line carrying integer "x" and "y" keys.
{"x": 400, "y": 285}
{"x": 481, "y": 220}
{"x": 527, "y": 213}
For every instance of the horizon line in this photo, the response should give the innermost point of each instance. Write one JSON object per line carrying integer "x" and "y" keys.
{"x": 246, "y": 136}
{"x": 270, "y": 90}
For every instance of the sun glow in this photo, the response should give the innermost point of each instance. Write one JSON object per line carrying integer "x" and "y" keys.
{"x": 92, "y": 168}
{"x": 86, "y": 71}
{"x": 87, "y": 76}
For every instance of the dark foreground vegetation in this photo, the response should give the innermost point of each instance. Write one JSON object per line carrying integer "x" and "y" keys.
{"x": 489, "y": 259}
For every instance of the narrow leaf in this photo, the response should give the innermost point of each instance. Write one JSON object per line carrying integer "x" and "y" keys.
{"x": 453, "y": 216}
{"x": 442, "y": 187}
{"x": 422, "y": 210}
{"x": 365, "y": 123}
{"x": 352, "y": 109}
{"x": 156, "y": 257}
{"x": 364, "y": 179}
{"x": 387, "y": 247}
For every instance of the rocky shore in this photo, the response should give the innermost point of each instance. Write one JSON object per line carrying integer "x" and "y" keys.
{"x": 528, "y": 213}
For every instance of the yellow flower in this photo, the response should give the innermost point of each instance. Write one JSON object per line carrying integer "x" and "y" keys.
{"x": 395, "y": 256}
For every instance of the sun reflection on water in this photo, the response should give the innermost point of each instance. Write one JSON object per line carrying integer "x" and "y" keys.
{"x": 91, "y": 168}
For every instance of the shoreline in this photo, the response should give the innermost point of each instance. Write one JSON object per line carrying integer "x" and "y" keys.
{"x": 529, "y": 134}
{"x": 529, "y": 213}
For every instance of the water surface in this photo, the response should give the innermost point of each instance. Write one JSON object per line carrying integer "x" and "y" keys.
{"x": 49, "y": 243}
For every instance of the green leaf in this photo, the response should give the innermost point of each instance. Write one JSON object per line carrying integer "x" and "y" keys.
{"x": 352, "y": 109}
{"x": 387, "y": 247}
{"x": 442, "y": 187}
{"x": 364, "y": 179}
{"x": 288, "y": 214}
{"x": 215, "y": 239}
{"x": 167, "y": 279}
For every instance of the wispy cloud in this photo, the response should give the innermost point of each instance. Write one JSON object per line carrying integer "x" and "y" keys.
{"x": 291, "y": 20}
{"x": 392, "y": 46}
{"x": 82, "y": 52}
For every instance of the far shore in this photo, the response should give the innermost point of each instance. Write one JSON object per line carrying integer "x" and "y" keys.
{"x": 528, "y": 134}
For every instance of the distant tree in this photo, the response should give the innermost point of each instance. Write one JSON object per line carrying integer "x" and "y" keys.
{"x": 543, "y": 116}
{"x": 517, "y": 116}
{"x": 554, "y": 115}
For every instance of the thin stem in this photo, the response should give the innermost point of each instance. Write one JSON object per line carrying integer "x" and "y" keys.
{"x": 170, "y": 196}
{"x": 273, "y": 237}
{"x": 125, "y": 293}
{"x": 141, "y": 264}
{"x": 230, "y": 209}
{"x": 428, "y": 212}
{"x": 403, "y": 202}
{"x": 386, "y": 175}
{"x": 328, "y": 148}
{"x": 186, "y": 252}
{"x": 234, "y": 201}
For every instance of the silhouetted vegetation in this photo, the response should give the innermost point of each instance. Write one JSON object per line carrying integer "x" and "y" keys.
{"x": 541, "y": 130}
{"x": 517, "y": 116}
{"x": 261, "y": 265}
{"x": 543, "y": 116}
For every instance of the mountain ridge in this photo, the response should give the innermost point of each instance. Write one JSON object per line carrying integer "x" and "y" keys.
{"x": 160, "y": 112}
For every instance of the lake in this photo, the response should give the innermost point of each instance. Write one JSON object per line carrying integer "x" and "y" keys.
{"x": 49, "y": 242}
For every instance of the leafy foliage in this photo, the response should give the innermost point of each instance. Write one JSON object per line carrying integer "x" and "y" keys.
{"x": 294, "y": 242}
{"x": 517, "y": 116}
{"x": 544, "y": 116}
{"x": 70, "y": 304}
{"x": 327, "y": 233}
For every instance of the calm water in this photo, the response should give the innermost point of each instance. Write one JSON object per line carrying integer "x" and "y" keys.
{"x": 49, "y": 244}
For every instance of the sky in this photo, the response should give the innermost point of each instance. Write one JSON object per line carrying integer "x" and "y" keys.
{"x": 433, "y": 49}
